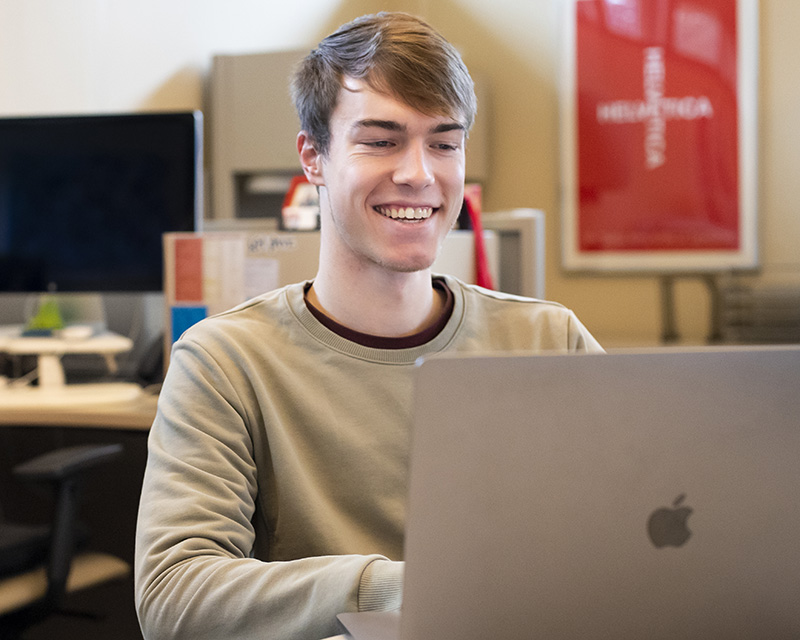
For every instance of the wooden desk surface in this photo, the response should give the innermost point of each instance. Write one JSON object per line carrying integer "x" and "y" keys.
{"x": 136, "y": 414}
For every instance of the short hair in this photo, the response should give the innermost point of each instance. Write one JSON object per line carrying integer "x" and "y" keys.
{"x": 396, "y": 54}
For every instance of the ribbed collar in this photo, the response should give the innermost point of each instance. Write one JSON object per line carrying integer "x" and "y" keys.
{"x": 296, "y": 303}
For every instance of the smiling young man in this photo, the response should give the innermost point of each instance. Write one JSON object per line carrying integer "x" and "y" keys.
{"x": 391, "y": 186}
{"x": 274, "y": 496}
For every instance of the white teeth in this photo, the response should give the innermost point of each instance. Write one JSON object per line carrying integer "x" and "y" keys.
{"x": 406, "y": 213}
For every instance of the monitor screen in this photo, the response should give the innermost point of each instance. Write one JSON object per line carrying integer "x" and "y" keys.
{"x": 84, "y": 200}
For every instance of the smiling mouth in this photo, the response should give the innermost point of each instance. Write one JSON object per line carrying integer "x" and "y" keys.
{"x": 406, "y": 213}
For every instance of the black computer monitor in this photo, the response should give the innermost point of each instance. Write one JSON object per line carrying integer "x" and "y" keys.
{"x": 84, "y": 200}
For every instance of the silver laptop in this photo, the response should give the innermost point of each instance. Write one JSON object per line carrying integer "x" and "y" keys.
{"x": 603, "y": 496}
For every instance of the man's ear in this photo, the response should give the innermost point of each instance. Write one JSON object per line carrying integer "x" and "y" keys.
{"x": 310, "y": 159}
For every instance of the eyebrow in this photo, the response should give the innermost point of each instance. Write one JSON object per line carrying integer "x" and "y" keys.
{"x": 391, "y": 125}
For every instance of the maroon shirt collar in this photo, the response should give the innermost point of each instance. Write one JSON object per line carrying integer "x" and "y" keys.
{"x": 382, "y": 342}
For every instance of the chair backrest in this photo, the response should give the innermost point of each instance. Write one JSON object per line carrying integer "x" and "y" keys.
{"x": 35, "y": 561}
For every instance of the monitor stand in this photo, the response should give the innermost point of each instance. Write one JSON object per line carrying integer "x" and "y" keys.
{"x": 52, "y": 391}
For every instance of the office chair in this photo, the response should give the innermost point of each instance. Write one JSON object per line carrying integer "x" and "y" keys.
{"x": 39, "y": 565}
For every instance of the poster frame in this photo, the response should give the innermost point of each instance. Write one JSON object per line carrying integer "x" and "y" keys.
{"x": 745, "y": 257}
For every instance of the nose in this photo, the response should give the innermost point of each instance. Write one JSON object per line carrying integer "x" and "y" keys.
{"x": 414, "y": 167}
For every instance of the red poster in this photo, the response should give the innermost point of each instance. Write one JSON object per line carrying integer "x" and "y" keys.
{"x": 657, "y": 171}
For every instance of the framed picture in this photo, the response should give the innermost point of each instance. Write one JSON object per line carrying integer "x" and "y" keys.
{"x": 659, "y": 135}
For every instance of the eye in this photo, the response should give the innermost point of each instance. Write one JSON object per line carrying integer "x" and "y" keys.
{"x": 446, "y": 147}
{"x": 378, "y": 144}
{"x": 449, "y": 143}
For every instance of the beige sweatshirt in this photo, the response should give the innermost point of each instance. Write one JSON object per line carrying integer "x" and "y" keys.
{"x": 274, "y": 496}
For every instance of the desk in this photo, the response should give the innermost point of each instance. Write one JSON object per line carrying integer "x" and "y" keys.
{"x": 134, "y": 414}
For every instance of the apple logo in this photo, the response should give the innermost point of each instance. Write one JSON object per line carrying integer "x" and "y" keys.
{"x": 667, "y": 525}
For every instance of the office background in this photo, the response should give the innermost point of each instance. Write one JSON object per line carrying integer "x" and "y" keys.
{"x": 97, "y": 56}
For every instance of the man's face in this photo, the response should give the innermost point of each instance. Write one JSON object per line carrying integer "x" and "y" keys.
{"x": 392, "y": 181}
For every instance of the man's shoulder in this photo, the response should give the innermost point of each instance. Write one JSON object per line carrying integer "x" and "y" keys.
{"x": 498, "y": 320}
{"x": 499, "y": 299}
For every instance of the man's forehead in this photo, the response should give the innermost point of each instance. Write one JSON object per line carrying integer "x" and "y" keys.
{"x": 389, "y": 110}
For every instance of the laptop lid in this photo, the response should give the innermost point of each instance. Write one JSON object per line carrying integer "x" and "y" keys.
{"x": 626, "y": 496}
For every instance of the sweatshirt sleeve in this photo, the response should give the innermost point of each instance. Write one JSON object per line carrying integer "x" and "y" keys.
{"x": 195, "y": 573}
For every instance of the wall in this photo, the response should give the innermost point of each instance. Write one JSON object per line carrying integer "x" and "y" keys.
{"x": 117, "y": 55}
{"x": 123, "y": 55}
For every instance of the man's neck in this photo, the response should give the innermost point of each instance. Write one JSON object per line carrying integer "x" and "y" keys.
{"x": 378, "y": 303}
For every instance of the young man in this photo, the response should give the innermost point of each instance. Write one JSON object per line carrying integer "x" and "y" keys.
{"x": 274, "y": 496}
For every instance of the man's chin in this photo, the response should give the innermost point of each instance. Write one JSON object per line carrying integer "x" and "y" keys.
{"x": 408, "y": 265}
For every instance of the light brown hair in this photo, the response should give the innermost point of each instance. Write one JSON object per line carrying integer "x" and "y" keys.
{"x": 394, "y": 53}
